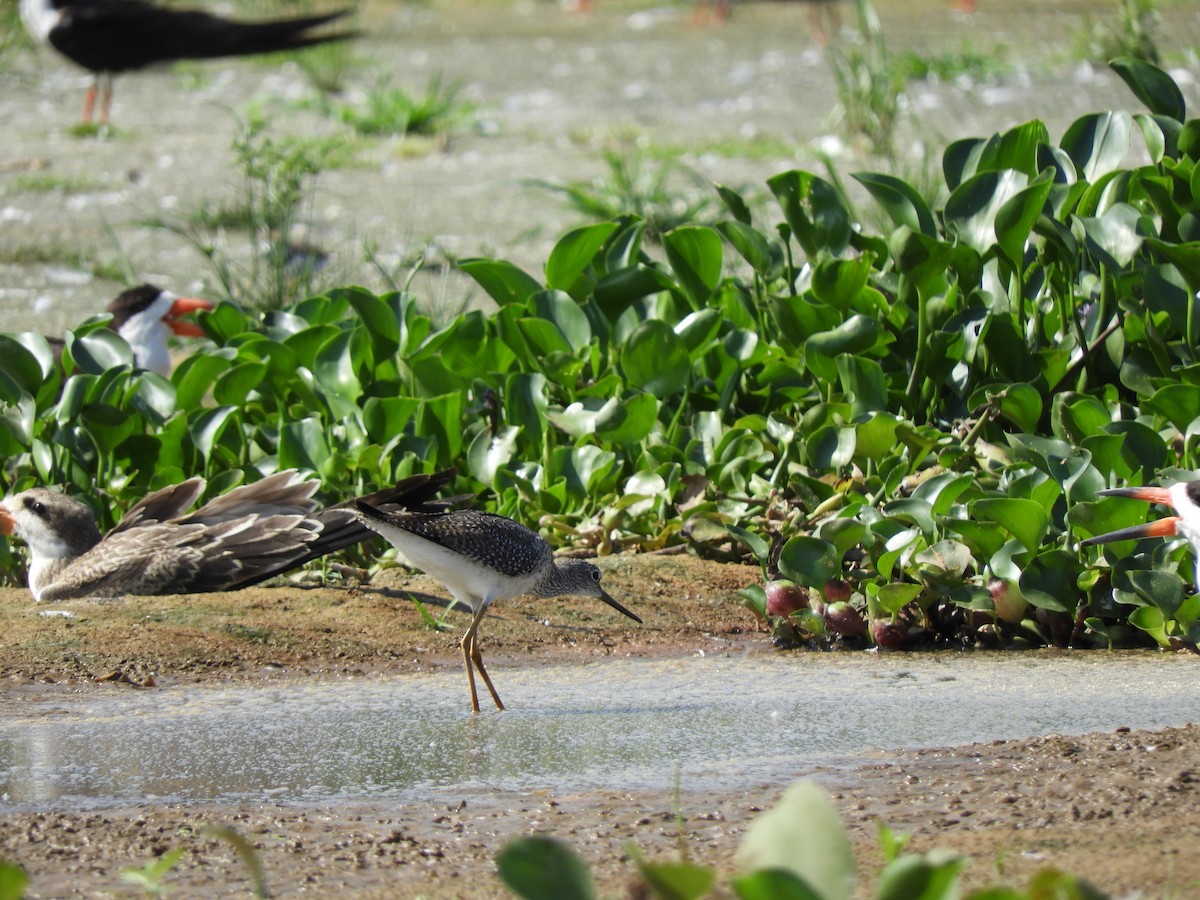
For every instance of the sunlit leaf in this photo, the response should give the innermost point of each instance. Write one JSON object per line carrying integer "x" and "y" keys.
{"x": 1154, "y": 87}
{"x": 809, "y": 561}
{"x": 574, "y": 252}
{"x": 504, "y": 282}
{"x": 1023, "y": 519}
{"x": 804, "y": 836}
{"x": 541, "y": 868}
{"x": 695, "y": 254}
{"x": 655, "y": 360}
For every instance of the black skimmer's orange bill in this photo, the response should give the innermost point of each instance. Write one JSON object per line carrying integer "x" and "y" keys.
{"x": 482, "y": 558}
{"x": 1183, "y": 497}
{"x": 145, "y": 317}
{"x": 107, "y": 37}
{"x": 239, "y": 539}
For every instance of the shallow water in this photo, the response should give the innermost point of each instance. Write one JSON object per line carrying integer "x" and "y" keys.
{"x": 717, "y": 722}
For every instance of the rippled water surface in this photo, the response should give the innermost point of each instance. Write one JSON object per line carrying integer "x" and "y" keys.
{"x": 717, "y": 722}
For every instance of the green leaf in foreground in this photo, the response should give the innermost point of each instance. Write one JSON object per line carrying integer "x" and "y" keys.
{"x": 13, "y": 881}
{"x": 539, "y": 868}
{"x": 802, "y": 835}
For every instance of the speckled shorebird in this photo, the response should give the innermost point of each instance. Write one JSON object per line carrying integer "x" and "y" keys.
{"x": 482, "y": 558}
{"x": 234, "y": 541}
{"x": 111, "y": 36}
{"x": 1183, "y": 497}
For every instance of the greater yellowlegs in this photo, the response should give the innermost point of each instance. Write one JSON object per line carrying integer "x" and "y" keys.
{"x": 236, "y": 540}
{"x": 1183, "y": 497}
{"x": 482, "y": 558}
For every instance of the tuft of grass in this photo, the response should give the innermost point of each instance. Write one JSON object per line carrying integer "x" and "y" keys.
{"x": 392, "y": 111}
{"x": 328, "y": 66}
{"x": 869, "y": 84}
{"x": 967, "y": 61}
{"x": 640, "y": 184}
{"x": 280, "y": 265}
{"x": 1132, "y": 33}
{"x": 45, "y": 183}
{"x": 69, "y": 256}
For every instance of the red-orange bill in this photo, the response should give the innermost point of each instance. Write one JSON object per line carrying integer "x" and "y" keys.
{"x": 6, "y": 521}
{"x": 1148, "y": 494}
{"x": 182, "y": 307}
{"x": 1160, "y": 528}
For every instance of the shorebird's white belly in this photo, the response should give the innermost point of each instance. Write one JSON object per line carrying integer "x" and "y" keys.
{"x": 470, "y": 582}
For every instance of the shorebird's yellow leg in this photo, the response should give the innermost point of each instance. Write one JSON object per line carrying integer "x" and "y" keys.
{"x": 471, "y": 654}
{"x": 466, "y": 645}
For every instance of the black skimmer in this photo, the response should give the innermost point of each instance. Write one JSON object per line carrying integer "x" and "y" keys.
{"x": 482, "y": 558}
{"x": 1183, "y": 497}
{"x": 108, "y": 37}
{"x": 239, "y": 539}
{"x": 146, "y": 316}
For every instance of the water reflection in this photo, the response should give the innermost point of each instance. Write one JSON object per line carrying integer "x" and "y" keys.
{"x": 719, "y": 722}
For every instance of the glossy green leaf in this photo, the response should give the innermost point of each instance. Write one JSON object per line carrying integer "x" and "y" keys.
{"x": 504, "y": 282}
{"x": 653, "y": 359}
{"x": 629, "y": 421}
{"x": 1016, "y": 217}
{"x": 1154, "y": 87}
{"x": 695, "y": 254}
{"x": 929, "y": 877}
{"x": 574, "y": 252}
{"x": 1051, "y": 581}
{"x": 814, "y": 211}
{"x": 750, "y": 244}
{"x": 1151, "y": 620}
{"x": 900, "y": 201}
{"x": 970, "y": 212}
{"x": 1023, "y": 519}
{"x": 809, "y": 561}
{"x": 1097, "y": 143}
{"x": 379, "y": 319}
{"x": 838, "y": 282}
{"x": 565, "y": 314}
{"x": 773, "y": 884}
{"x": 1114, "y": 236}
{"x": 98, "y": 351}
{"x": 832, "y": 447}
{"x": 207, "y": 428}
{"x": 334, "y": 367}
{"x": 804, "y": 836}
{"x": 863, "y": 381}
{"x": 677, "y": 880}
{"x": 542, "y": 868}
{"x": 303, "y": 445}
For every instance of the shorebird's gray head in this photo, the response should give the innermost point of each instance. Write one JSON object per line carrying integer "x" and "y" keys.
{"x": 578, "y": 577}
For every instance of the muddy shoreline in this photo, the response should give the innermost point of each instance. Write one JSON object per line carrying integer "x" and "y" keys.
{"x": 1012, "y": 806}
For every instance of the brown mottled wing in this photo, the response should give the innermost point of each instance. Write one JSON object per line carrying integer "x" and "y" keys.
{"x": 162, "y": 505}
{"x": 340, "y": 527}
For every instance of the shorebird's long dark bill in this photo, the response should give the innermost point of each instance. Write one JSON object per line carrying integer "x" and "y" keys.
{"x": 617, "y": 606}
{"x": 1160, "y": 528}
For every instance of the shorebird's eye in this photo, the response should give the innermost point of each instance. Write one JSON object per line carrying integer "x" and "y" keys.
{"x": 596, "y": 575}
{"x": 37, "y": 507}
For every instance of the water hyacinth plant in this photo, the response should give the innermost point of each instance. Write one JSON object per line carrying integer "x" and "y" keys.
{"x": 910, "y": 424}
